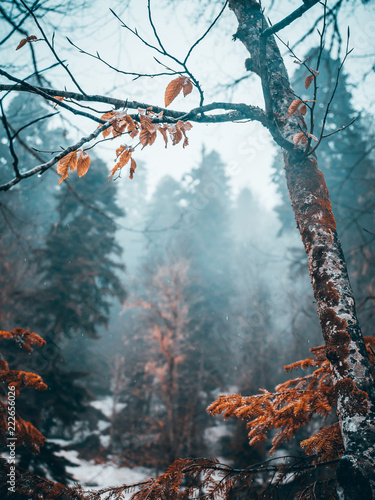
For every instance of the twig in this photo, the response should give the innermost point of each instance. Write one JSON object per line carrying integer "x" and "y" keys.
{"x": 128, "y": 73}
{"x": 52, "y": 48}
{"x": 45, "y": 166}
{"x": 289, "y": 19}
{"x": 40, "y": 91}
{"x": 206, "y": 32}
{"x": 10, "y": 138}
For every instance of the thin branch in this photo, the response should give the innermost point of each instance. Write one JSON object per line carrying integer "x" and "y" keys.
{"x": 206, "y": 32}
{"x": 10, "y": 138}
{"x": 166, "y": 54}
{"x": 153, "y": 27}
{"x": 33, "y": 122}
{"x": 128, "y": 73}
{"x": 307, "y": 4}
{"x": 347, "y": 52}
{"x": 340, "y": 129}
{"x": 39, "y": 169}
{"x": 41, "y": 91}
{"x": 52, "y": 48}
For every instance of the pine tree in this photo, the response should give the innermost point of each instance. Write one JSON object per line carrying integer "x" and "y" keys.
{"x": 208, "y": 243}
{"x": 76, "y": 280}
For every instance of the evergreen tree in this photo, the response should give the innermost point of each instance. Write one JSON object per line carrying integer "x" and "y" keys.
{"x": 208, "y": 244}
{"x": 77, "y": 273}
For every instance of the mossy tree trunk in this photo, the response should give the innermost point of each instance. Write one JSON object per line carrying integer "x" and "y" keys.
{"x": 309, "y": 197}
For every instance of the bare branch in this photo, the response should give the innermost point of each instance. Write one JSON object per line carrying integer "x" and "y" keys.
{"x": 169, "y": 116}
{"x": 10, "y": 138}
{"x": 39, "y": 169}
{"x": 39, "y": 90}
{"x": 128, "y": 73}
{"x": 51, "y": 47}
{"x": 206, "y": 32}
{"x": 289, "y": 19}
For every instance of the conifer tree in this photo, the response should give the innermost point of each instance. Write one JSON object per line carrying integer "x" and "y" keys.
{"x": 208, "y": 243}
{"x": 76, "y": 281}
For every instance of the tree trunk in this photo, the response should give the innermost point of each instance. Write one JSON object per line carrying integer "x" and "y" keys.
{"x": 309, "y": 197}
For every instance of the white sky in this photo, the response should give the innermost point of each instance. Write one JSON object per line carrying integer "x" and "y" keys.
{"x": 245, "y": 148}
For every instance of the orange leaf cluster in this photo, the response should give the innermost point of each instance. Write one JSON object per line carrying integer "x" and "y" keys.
{"x": 20, "y": 379}
{"x": 174, "y": 88}
{"x": 25, "y": 40}
{"x": 296, "y": 104}
{"x": 121, "y": 123}
{"x": 124, "y": 154}
{"x": 79, "y": 160}
{"x": 147, "y": 129}
{"x": 176, "y": 131}
{"x": 292, "y": 405}
{"x": 26, "y": 433}
{"x": 184, "y": 479}
{"x": 24, "y": 338}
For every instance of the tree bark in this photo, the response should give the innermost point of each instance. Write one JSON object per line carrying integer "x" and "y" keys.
{"x": 346, "y": 351}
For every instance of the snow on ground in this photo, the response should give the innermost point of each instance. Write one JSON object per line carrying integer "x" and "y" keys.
{"x": 105, "y": 405}
{"x": 97, "y": 476}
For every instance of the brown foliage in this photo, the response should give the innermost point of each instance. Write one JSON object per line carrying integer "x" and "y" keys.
{"x": 79, "y": 160}
{"x": 25, "y": 432}
{"x": 308, "y": 81}
{"x": 174, "y": 88}
{"x": 24, "y": 41}
{"x": 293, "y": 405}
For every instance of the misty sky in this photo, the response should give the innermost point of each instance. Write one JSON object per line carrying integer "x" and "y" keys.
{"x": 245, "y": 147}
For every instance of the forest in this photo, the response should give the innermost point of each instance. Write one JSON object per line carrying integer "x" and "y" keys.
{"x": 187, "y": 224}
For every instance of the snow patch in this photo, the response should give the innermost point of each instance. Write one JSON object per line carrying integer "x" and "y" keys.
{"x": 105, "y": 405}
{"x": 97, "y": 476}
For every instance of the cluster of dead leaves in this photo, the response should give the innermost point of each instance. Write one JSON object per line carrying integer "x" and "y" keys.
{"x": 146, "y": 126}
{"x": 294, "y": 403}
{"x": 78, "y": 159}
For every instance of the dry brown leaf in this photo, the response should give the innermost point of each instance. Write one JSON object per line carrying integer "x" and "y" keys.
{"x": 124, "y": 154}
{"x": 300, "y": 137}
{"x": 132, "y": 126}
{"x": 303, "y": 109}
{"x": 147, "y": 137}
{"x": 308, "y": 81}
{"x": 187, "y": 87}
{"x": 163, "y": 131}
{"x": 294, "y": 106}
{"x": 83, "y": 163}
{"x": 183, "y": 127}
{"x": 67, "y": 162}
{"x": 25, "y": 40}
{"x": 175, "y": 87}
{"x": 133, "y": 166}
